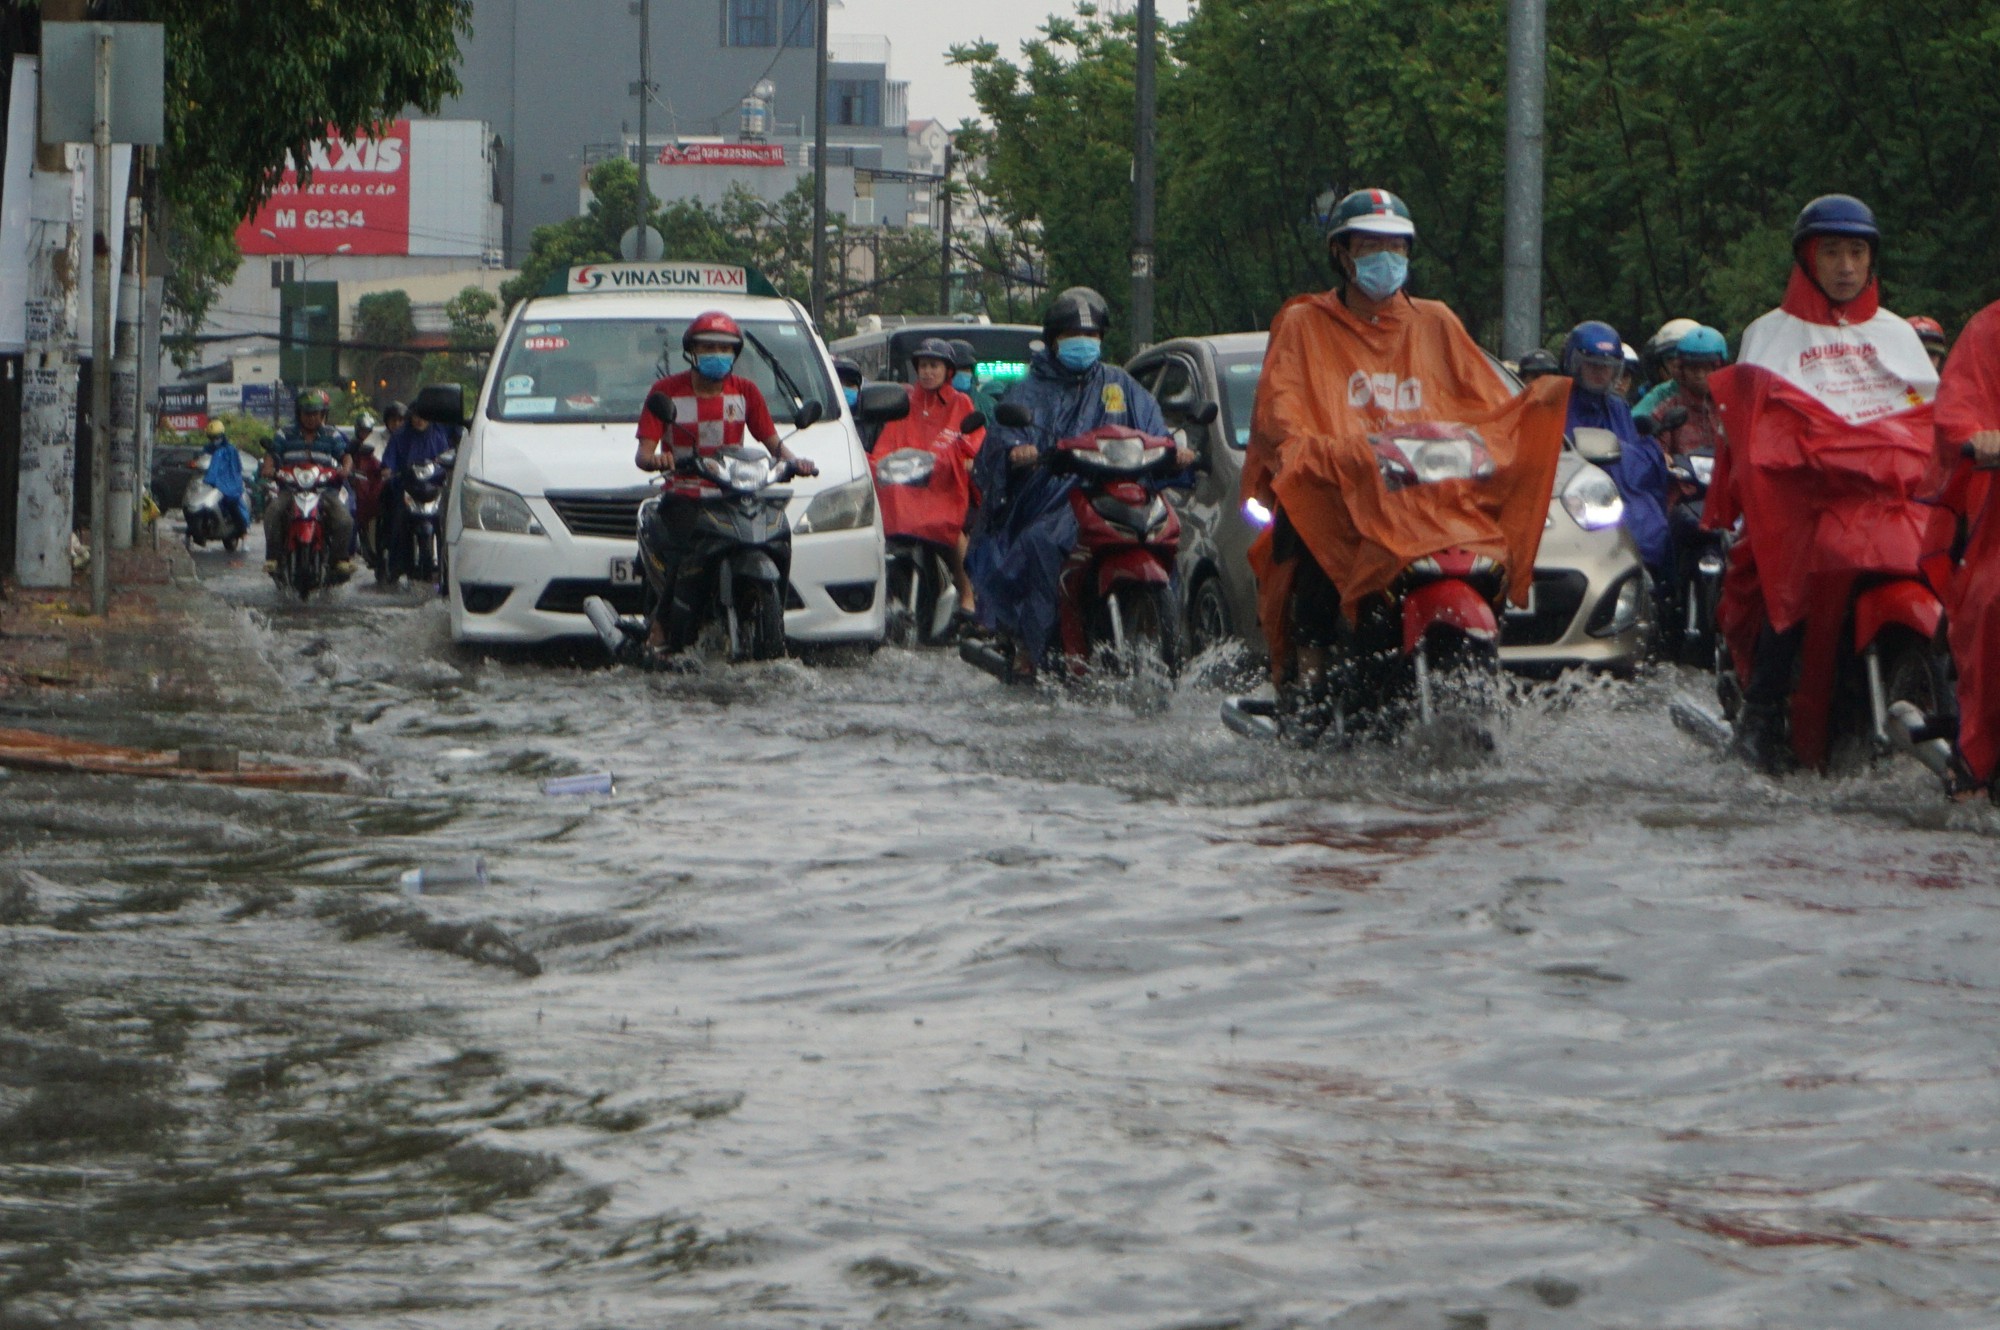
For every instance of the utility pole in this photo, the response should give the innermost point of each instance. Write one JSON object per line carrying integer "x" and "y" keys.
{"x": 944, "y": 230}
{"x": 645, "y": 96}
{"x": 1527, "y": 81}
{"x": 1142, "y": 188}
{"x": 819, "y": 163}
{"x": 100, "y": 339}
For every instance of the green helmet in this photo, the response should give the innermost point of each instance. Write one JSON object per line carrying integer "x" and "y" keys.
{"x": 314, "y": 399}
{"x": 1374, "y": 211}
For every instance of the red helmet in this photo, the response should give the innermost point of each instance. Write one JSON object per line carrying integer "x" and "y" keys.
{"x": 712, "y": 326}
{"x": 1928, "y": 329}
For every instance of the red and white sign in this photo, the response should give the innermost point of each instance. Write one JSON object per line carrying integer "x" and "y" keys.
{"x": 723, "y": 154}
{"x": 358, "y": 201}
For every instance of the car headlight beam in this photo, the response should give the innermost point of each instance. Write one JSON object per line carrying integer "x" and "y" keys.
{"x": 484, "y": 507}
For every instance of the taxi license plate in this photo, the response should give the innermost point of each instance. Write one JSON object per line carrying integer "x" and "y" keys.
{"x": 624, "y": 572}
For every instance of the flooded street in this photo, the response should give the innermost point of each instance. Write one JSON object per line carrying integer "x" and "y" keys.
{"x": 879, "y": 994}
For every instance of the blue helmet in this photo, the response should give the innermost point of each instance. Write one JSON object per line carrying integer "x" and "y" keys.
{"x": 1703, "y": 343}
{"x": 1836, "y": 215}
{"x": 1592, "y": 340}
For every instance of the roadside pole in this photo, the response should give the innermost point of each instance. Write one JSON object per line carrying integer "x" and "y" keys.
{"x": 101, "y": 333}
{"x": 819, "y": 165}
{"x": 44, "y": 511}
{"x": 644, "y": 220}
{"x": 944, "y": 231}
{"x": 1142, "y": 188}
{"x": 125, "y": 471}
{"x": 1521, "y": 273}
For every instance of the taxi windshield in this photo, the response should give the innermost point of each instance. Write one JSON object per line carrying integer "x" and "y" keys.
{"x": 597, "y": 371}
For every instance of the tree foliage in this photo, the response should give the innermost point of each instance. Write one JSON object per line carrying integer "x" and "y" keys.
{"x": 470, "y": 314}
{"x": 251, "y": 86}
{"x": 1683, "y": 137}
{"x": 384, "y": 318}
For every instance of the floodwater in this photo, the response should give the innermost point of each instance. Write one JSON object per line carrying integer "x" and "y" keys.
{"x": 878, "y": 994}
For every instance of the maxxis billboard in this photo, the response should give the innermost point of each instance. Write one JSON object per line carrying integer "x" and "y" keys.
{"x": 357, "y": 202}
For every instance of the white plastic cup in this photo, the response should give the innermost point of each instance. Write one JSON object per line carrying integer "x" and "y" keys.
{"x": 469, "y": 871}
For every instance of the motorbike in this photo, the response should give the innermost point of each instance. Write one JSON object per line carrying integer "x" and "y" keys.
{"x": 1431, "y": 641}
{"x": 1688, "y": 604}
{"x": 1118, "y": 611}
{"x": 920, "y": 601}
{"x": 734, "y": 565}
{"x": 210, "y": 517}
{"x": 421, "y": 495}
{"x": 304, "y": 563}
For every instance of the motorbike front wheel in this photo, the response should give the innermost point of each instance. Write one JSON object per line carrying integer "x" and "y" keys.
{"x": 760, "y": 621}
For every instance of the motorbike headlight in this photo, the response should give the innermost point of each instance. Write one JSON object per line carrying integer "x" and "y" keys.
{"x": 484, "y": 507}
{"x": 744, "y": 474}
{"x": 841, "y": 508}
{"x": 906, "y": 466}
{"x": 1592, "y": 499}
{"x": 1255, "y": 513}
{"x": 1703, "y": 467}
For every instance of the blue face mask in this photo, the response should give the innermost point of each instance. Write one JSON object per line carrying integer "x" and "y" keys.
{"x": 853, "y": 395}
{"x": 962, "y": 380}
{"x": 1079, "y": 353}
{"x": 714, "y": 366}
{"x": 1381, "y": 274}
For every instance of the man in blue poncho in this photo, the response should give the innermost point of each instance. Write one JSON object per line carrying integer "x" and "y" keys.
{"x": 1026, "y": 527}
{"x": 1594, "y": 357}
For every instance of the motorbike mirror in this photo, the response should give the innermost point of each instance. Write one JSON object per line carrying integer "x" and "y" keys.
{"x": 441, "y": 404}
{"x": 1646, "y": 426}
{"x": 660, "y": 407}
{"x": 973, "y": 423}
{"x": 881, "y": 403}
{"x": 1671, "y": 419}
{"x": 1204, "y": 413}
{"x": 808, "y": 414}
{"x": 1596, "y": 445}
{"x": 1013, "y": 415}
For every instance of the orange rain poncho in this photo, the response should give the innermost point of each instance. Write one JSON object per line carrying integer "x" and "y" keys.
{"x": 1331, "y": 379}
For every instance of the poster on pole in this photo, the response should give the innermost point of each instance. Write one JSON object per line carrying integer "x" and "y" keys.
{"x": 357, "y": 202}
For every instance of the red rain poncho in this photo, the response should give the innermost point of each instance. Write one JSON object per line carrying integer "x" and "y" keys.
{"x": 1829, "y": 428}
{"x": 1967, "y": 404}
{"x": 933, "y": 512}
{"x": 1331, "y": 379}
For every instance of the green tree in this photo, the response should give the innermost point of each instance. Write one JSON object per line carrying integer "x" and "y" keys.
{"x": 470, "y": 313}
{"x": 384, "y": 319}
{"x": 249, "y": 86}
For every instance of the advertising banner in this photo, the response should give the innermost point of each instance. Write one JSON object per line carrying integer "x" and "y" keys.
{"x": 723, "y": 154}
{"x": 357, "y": 203}
{"x": 184, "y": 407}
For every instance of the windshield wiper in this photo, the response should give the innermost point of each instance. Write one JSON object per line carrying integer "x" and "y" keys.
{"x": 777, "y": 367}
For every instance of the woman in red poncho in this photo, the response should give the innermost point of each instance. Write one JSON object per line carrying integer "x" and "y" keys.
{"x": 1968, "y": 413}
{"x": 933, "y": 513}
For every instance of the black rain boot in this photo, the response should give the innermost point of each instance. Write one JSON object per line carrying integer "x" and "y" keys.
{"x": 1763, "y": 737}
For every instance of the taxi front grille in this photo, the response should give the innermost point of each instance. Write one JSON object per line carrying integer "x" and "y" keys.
{"x": 605, "y": 514}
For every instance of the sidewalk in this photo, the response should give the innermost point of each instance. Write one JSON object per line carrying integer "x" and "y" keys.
{"x": 166, "y": 640}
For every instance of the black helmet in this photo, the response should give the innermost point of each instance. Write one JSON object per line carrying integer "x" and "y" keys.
{"x": 1836, "y": 215}
{"x": 1078, "y": 309}
{"x": 933, "y": 348}
{"x": 395, "y": 411}
{"x": 847, "y": 371}
{"x": 1538, "y": 362}
{"x": 962, "y": 354}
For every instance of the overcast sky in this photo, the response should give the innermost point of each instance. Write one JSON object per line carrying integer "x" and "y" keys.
{"x": 922, "y": 32}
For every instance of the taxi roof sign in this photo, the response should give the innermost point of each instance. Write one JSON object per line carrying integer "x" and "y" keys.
{"x": 692, "y": 277}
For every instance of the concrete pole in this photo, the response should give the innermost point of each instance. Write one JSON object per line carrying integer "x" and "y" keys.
{"x": 44, "y": 510}
{"x": 125, "y": 473}
{"x": 645, "y": 246}
{"x": 1142, "y": 188}
{"x": 1527, "y": 82}
{"x": 944, "y": 232}
{"x": 819, "y": 165}
{"x": 100, "y": 338}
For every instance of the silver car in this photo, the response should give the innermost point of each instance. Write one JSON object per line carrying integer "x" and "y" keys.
{"x": 1590, "y": 605}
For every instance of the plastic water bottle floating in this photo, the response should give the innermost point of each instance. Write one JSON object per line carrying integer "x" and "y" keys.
{"x": 445, "y": 875}
{"x": 597, "y": 782}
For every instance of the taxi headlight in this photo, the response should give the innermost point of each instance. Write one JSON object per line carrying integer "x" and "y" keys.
{"x": 840, "y": 508}
{"x": 1592, "y": 499}
{"x": 484, "y": 507}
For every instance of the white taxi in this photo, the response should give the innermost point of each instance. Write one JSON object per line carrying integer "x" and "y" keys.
{"x": 545, "y": 494}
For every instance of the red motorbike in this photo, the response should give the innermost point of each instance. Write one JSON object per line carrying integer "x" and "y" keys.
{"x": 305, "y": 563}
{"x": 1118, "y": 614}
{"x": 1432, "y": 636}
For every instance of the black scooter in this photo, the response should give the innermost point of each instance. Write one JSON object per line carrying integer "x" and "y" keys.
{"x": 734, "y": 561}
{"x": 420, "y": 501}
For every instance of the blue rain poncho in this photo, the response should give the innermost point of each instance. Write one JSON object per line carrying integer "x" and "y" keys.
{"x": 1026, "y": 528}
{"x": 1640, "y": 473}
{"x": 225, "y": 475}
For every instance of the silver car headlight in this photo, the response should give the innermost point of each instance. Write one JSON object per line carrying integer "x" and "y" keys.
{"x": 484, "y": 507}
{"x": 840, "y": 508}
{"x": 1592, "y": 499}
